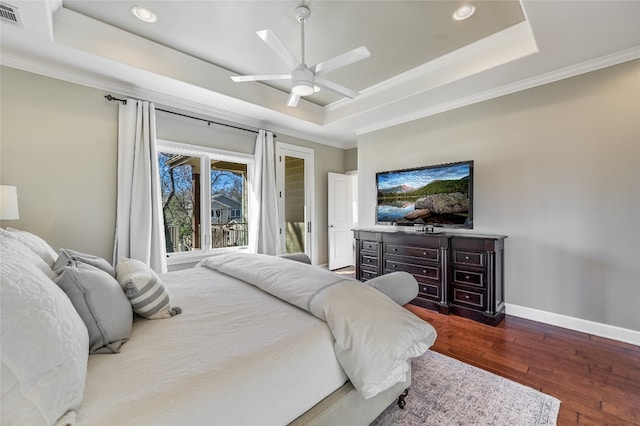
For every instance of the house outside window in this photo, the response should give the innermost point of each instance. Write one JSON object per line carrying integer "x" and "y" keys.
{"x": 205, "y": 199}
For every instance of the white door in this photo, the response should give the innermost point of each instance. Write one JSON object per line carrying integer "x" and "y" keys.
{"x": 340, "y": 218}
{"x": 294, "y": 179}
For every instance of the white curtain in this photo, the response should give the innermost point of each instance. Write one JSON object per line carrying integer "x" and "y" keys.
{"x": 139, "y": 220}
{"x": 263, "y": 220}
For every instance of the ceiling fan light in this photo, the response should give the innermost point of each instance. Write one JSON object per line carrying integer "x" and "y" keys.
{"x": 302, "y": 88}
{"x": 302, "y": 81}
{"x": 464, "y": 12}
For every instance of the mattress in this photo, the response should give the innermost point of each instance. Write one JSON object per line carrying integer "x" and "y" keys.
{"x": 235, "y": 356}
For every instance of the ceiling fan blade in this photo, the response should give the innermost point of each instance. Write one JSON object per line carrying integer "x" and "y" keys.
{"x": 293, "y": 99}
{"x": 277, "y": 46}
{"x": 339, "y": 61}
{"x": 242, "y": 78}
{"x": 336, "y": 88}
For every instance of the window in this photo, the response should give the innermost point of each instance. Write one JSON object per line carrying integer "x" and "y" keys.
{"x": 198, "y": 220}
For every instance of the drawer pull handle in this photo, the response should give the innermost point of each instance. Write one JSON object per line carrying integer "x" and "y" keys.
{"x": 395, "y": 266}
{"x": 466, "y": 277}
{"x": 424, "y": 253}
{"x": 395, "y": 249}
{"x": 466, "y": 258}
{"x": 424, "y": 271}
{"x": 466, "y": 297}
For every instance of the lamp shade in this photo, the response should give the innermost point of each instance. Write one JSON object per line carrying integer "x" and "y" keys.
{"x": 9, "y": 203}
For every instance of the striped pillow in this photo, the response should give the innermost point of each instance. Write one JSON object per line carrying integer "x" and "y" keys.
{"x": 144, "y": 289}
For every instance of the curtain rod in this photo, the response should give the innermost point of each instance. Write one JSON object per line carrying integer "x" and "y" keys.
{"x": 209, "y": 122}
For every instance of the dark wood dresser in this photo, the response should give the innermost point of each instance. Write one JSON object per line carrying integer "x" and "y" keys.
{"x": 457, "y": 273}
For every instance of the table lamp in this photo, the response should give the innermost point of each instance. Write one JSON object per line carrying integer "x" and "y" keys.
{"x": 9, "y": 203}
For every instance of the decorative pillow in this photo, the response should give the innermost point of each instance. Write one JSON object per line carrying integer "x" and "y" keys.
{"x": 400, "y": 286}
{"x": 145, "y": 290}
{"x": 69, "y": 257}
{"x": 35, "y": 243}
{"x": 102, "y": 305}
{"x": 45, "y": 344}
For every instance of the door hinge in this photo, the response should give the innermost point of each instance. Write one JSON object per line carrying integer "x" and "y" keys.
{"x": 309, "y": 227}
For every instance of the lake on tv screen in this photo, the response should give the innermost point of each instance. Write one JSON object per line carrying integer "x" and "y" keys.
{"x": 388, "y": 213}
{"x": 398, "y": 191}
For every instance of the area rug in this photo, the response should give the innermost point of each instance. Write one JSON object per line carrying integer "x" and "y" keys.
{"x": 445, "y": 391}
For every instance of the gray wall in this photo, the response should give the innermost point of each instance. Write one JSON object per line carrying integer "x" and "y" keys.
{"x": 351, "y": 159}
{"x": 557, "y": 169}
{"x": 59, "y": 146}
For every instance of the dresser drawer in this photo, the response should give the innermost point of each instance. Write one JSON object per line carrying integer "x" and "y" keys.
{"x": 468, "y": 258}
{"x": 423, "y": 253}
{"x": 469, "y": 298}
{"x": 369, "y": 245}
{"x": 431, "y": 272}
{"x": 468, "y": 278}
{"x": 369, "y": 262}
{"x": 367, "y": 275}
{"x": 429, "y": 291}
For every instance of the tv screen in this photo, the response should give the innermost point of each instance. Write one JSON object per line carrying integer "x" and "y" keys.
{"x": 439, "y": 196}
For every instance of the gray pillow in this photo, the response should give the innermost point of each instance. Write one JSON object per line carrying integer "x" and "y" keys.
{"x": 400, "y": 286}
{"x": 68, "y": 257}
{"x": 102, "y": 305}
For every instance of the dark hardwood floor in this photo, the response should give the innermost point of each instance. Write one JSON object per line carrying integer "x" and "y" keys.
{"x": 597, "y": 380}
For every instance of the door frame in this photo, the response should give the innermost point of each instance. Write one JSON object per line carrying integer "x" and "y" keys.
{"x": 307, "y": 154}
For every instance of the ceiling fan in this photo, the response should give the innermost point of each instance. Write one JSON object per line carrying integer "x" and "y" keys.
{"x": 305, "y": 80}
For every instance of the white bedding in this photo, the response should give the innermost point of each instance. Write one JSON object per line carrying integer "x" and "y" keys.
{"x": 235, "y": 356}
{"x": 374, "y": 337}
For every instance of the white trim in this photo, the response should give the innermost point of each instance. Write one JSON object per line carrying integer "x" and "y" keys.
{"x": 308, "y": 155}
{"x": 517, "y": 40}
{"x": 585, "y": 326}
{"x": 189, "y": 149}
{"x": 507, "y": 89}
{"x": 205, "y": 154}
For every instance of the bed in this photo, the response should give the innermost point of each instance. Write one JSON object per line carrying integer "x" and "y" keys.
{"x": 221, "y": 350}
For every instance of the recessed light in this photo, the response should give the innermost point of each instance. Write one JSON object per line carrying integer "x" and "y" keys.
{"x": 144, "y": 14}
{"x": 464, "y": 12}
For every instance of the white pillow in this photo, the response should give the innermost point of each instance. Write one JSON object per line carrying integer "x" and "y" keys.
{"x": 36, "y": 244}
{"x": 144, "y": 289}
{"x": 29, "y": 255}
{"x": 45, "y": 344}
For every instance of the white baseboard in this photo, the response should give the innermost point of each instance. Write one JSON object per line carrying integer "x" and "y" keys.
{"x": 590, "y": 327}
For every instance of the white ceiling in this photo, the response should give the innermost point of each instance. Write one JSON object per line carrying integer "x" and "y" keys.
{"x": 422, "y": 62}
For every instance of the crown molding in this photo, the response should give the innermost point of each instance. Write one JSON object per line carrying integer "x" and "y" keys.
{"x": 507, "y": 89}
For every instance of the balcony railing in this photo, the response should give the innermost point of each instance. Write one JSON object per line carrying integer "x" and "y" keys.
{"x": 231, "y": 234}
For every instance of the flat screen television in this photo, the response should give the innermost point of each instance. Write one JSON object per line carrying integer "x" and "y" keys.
{"x": 439, "y": 196}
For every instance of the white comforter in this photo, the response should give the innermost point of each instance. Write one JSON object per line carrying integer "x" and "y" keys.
{"x": 374, "y": 337}
{"x": 236, "y": 356}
